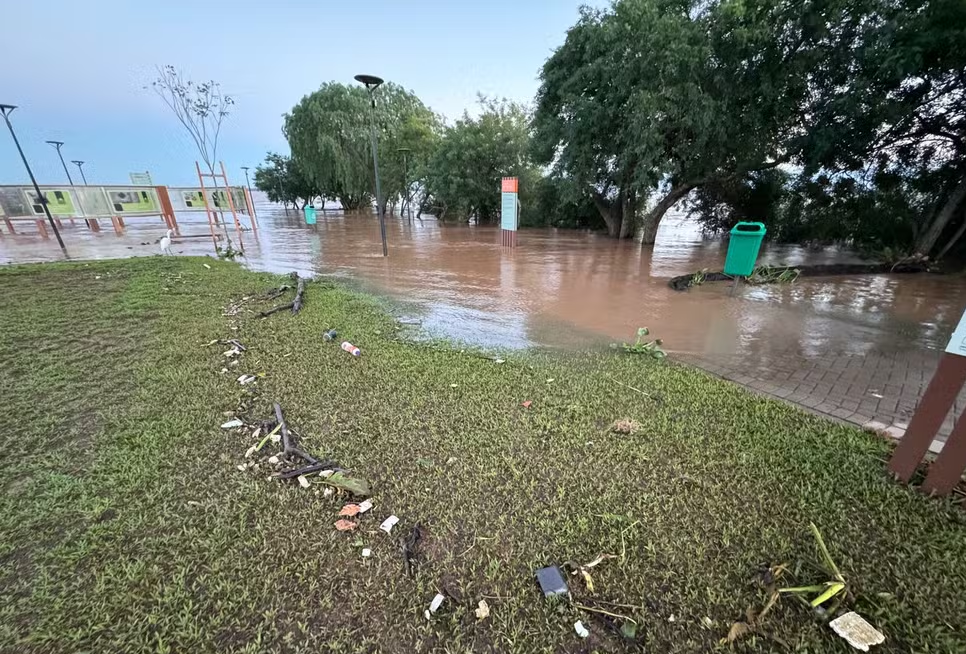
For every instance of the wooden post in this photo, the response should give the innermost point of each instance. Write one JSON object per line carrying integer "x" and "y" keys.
{"x": 10, "y": 226}
{"x": 167, "y": 210}
{"x": 42, "y": 228}
{"x": 940, "y": 395}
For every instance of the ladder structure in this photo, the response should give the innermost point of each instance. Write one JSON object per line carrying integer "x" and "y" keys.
{"x": 214, "y": 213}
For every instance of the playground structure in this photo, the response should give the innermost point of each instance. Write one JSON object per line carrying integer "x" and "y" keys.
{"x": 120, "y": 202}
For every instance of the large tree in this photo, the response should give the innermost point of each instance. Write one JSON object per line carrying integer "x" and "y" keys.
{"x": 329, "y": 135}
{"x": 463, "y": 175}
{"x": 281, "y": 179}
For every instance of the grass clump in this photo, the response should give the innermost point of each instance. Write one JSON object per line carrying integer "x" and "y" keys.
{"x": 125, "y": 525}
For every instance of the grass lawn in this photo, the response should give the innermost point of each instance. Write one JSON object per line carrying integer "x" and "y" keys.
{"x": 125, "y": 525}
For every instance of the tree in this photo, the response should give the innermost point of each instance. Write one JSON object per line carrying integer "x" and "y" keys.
{"x": 282, "y": 180}
{"x": 329, "y": 134}
{"x": 464, "y": 173}
{"x": 200, "y": 108}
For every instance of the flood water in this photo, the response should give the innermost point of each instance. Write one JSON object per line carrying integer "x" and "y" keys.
{"x": 564, "y": 288}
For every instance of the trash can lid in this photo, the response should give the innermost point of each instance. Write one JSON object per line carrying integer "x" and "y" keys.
{"x": 748, "y": 228}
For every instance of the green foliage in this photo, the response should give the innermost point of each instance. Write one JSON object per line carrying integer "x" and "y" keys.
{"x": 644, "y": 346}
{"x": 463, "y": 174}
{"x": 329, "y": 135}
{"x": 773, "y": 275}
{"x": 557, "y": 203}
{"x": 283, "y": 181}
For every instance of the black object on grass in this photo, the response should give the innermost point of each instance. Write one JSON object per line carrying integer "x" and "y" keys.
{"x": 551, "y": 581}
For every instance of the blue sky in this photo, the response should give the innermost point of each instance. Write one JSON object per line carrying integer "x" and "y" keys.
{"x": 77, "y": 71}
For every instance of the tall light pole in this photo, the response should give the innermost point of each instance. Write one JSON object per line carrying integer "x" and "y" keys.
{"x": 405, "y": 154}
{"x": 254, "y": 213}
{"x": 6, "y": 110}
{"x": 371, "y": 82}
{"x": 59, "y": 145}
{"x": 79, "y": 164}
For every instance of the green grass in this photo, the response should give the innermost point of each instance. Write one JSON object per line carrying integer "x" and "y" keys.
{"x": 126, "y": 527}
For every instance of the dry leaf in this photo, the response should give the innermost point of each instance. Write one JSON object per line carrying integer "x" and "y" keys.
{"x": 738, "y": 630}
{"x": 349, "y": 510}
{"x": 483, "y": 610}
{"x": 345, "y": 525}
{"x": 588, "y": 580}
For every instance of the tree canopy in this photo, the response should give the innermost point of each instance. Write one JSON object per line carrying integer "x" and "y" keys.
{"x": 329, "y": 135}
{"x": 281, "y": 179}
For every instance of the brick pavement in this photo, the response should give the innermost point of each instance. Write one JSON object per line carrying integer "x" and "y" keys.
{"x": 881, "y": 387}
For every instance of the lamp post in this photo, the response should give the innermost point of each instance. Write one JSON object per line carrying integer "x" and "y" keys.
{"x": 6, "y": 110}
{"x": 59, "y": 145}
{"x": 405, "y": 154}
{"x": 249, "y": 184}
{"x": 371, "y": 82}
{"x": 79, "y": 164}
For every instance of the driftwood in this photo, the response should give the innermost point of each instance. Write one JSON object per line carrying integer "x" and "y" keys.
{"x": 295, "y": 305}
{"x": 683, "y": 282}
{"x": 288, "y": 444}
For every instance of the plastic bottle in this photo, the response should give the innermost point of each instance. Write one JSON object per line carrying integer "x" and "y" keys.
{"x": 351, "y": 349}
{"x": 329, "y": 335}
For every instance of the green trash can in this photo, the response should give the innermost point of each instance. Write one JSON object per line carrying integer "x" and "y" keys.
{"x": 309, "y": 214}
{"x": 743, "y": 248}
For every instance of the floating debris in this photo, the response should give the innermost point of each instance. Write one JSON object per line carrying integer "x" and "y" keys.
{"x": 857, "y": 631}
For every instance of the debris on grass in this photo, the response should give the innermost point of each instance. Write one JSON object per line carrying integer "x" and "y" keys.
{"x": 526, "y": 404}
{"x": 584, "y": 570}
{"x": 364, "y": 506}
{"x": 330, "y": 335}
{"x": 349, "y": 510}
{"x": 366, "y": 552}
{"x": 389, "y": 523}
{"x": 409, "y": 546}
{"x": 434, "y": 605}
{"x": 482, "y": 611}
{"x": 551, "y": 581}
{"x": 345, "y": 525}
{"x": 354, "y": 485}
{"x": 296, "y": 304}
{"x": 351, "y": 349}
{"x": 232, "y": 424}
{"x": 625, "y": 426}
{"x": 303, "y": 481}
{"x": 245, "y": 379}
{"x": 834, "y": 589}
{"x": 581, "y": 629}
{"x": 857, "y": 631}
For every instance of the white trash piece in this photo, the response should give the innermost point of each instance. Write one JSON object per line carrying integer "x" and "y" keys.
{"x": 364, "y": 506}
{"x": 389, "y": 523}
{"x": 366, "y": 553}
{"x": 246, "y": 379}
{"x": 860, "y": 634}
{"x": 435, "y": 604}
{"x": 303, "y": 482}
{"x": 233, "y": 424}
{"x": 581, "y": 629}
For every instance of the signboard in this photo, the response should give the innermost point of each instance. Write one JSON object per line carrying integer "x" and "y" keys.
{"x": 128, "y": 200}
{"x": 60, "y": 202}
{"x": 509, "y": 211}
{"x": 957, "y": 342}
{"x": 193, "y": 199}
{"x": 141, "y": 179}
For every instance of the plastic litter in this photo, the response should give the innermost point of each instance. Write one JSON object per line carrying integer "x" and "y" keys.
{"x": 581, "y": 629}
{"x": 366, "y": 553}
{"x": 389, "y": 523}
{"x": 232, "y": 424}
{"x": 857, "y": 631}
{"x": 365, "y": 506}
{"x": 303, "y": 482}
{"x": 551, "y": 581}
{"x": 246, "y": 379}
{"x": 434, "y": 605}
{"x": 329, "y": 335}
{"x": 351, "y": 349}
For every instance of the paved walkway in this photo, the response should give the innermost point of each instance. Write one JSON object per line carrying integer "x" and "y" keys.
{"x": 879, "y": 390}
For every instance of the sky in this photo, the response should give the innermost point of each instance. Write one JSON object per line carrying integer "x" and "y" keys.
{"x": 78, "y": 71}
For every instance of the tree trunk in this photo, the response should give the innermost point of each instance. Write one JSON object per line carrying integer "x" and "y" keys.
{"x": 611, "y": 212}
{"x": 653, "y": 218}
{"x": 928, "y": 240}
{"x": 629, "y": 213}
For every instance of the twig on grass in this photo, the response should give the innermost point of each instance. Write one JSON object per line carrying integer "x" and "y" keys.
{"x": 295, "y": 305}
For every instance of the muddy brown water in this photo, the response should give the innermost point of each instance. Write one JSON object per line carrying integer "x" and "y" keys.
{"x": 565, "y": 288}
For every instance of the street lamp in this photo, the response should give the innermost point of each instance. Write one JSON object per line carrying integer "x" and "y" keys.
{"x": 405, "y": 154}
{"x": 6, "y": 110}
{"x": 254, "y": 214}
{"x": 371, "y": 82}
{"x": 79, "y": 164}
{"x": 59, "y": 145}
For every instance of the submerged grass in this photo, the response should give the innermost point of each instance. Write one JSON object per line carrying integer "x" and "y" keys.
{"x": 126, "y": 526}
